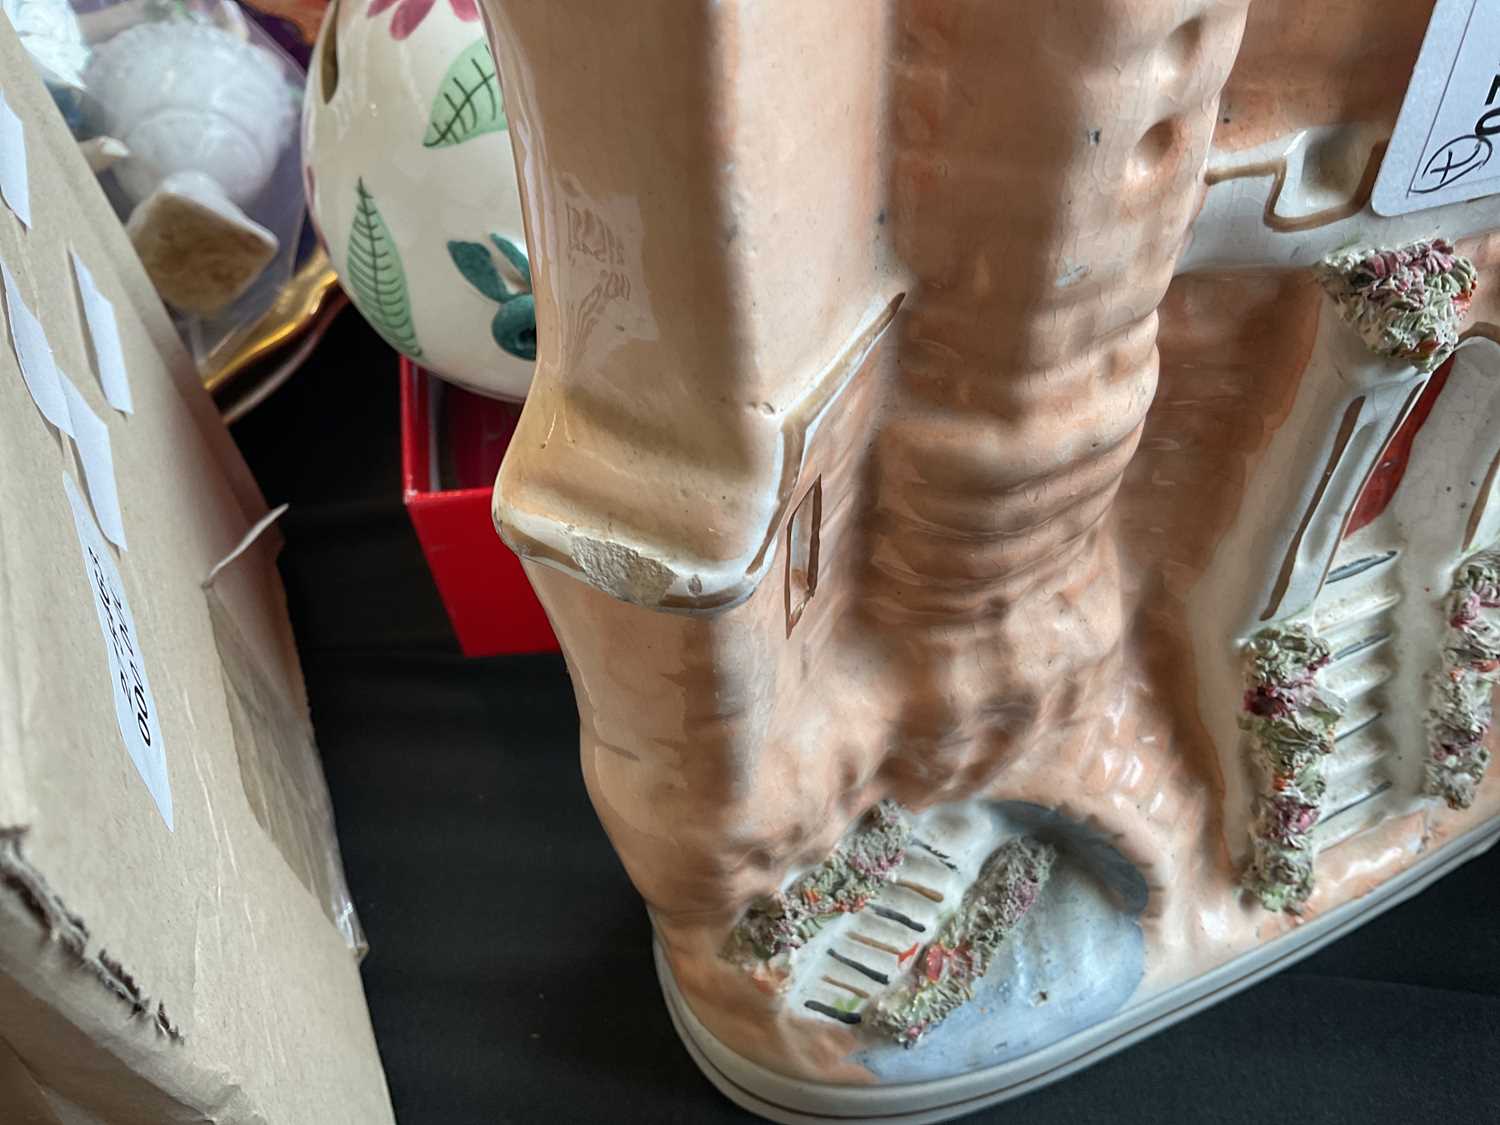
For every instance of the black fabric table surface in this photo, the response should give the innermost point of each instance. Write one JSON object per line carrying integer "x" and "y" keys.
{"x": 510, "y": 975}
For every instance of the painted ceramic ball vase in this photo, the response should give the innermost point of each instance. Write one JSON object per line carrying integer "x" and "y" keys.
{"x": 411, "y": 183}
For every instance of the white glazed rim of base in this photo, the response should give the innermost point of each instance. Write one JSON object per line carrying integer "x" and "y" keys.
{"x": 793, "y": 1101}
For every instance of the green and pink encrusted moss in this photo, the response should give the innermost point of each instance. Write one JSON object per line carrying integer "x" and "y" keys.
{"x": 1291, "y": 722}
{"x": 1462, "y": 711}
{"x": 778, "y": 924}
{"x": 944, "y": 974}
{"x": 1405, "y": 303}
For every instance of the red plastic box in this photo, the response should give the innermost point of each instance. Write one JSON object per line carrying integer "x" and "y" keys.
{"x": 451, "y": 437}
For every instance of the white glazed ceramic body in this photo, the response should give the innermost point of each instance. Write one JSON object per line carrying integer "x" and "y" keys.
{"x": 188, "y": 97}
{"x": 411, "y": 184}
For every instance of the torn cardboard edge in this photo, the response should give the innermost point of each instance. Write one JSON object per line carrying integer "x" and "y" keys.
{"x": 68, "y": 931}
{"x": 307, "y": 842}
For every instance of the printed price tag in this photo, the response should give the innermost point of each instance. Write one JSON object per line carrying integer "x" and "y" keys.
{"x": 1444, "y": 146}
{"x": 135, "y": 707}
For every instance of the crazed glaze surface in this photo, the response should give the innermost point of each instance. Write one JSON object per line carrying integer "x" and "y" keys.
{"x": 875, "y": 453}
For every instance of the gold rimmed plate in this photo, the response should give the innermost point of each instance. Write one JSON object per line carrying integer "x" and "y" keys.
{"x": 253, "y": 362}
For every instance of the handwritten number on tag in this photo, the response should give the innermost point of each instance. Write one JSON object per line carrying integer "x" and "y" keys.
{"x": 1462, "y": 155}
{"x": 131, "y": 682}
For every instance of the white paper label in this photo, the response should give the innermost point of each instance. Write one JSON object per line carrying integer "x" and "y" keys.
{"x": 57, "y": 397}
{"x": 15, "y": 181}
{"x": 91, "y": 437}
{"x": 104, "y": 334}
{"x": 1444, "y": 149}
{"x": 34, "y": 354}
{"x": 135, "y": 707}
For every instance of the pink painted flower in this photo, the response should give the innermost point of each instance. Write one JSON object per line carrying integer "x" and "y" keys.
{"x": 409, "y": 13}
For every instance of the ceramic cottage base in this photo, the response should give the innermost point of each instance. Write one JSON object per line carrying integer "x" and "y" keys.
{"x": 1056, "y": 1049}
{"x": 986, "y": 917}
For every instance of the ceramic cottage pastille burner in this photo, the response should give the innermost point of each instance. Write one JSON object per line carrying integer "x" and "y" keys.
{"x": 1025, "y": 533}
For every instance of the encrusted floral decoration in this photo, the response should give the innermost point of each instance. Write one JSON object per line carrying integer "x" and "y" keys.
{"x": 1462, "y": 713}
{"x": 780, "y": 923}
{"x": 1405, "y": 303}
{"x": 946, "y": 973}
{"x": 1291, "y": 722}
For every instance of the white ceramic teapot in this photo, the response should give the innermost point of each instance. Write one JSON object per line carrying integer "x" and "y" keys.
{"x": 203, "y": 114}
{"x": 410, "y": 182}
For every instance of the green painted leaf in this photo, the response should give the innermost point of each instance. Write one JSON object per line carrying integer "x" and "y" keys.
{"x": 478, "y": 267}
{"x": 468, "y": 102}
{"x": 374, "y": 277}
{"x": 514, "y": 325}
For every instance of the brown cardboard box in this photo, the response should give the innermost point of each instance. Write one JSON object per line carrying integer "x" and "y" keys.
{"x": 186, "y": 961}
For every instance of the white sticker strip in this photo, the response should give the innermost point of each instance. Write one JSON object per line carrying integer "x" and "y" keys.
{"x": 38, "y": 367}
{"x": 92, "y": 438}
{"x": 104, "y": 333}
{"x": 60, "y": 402}
{"x": 135, "y": 707}
{"x": 246, "y": 540}
{"x": 1444, "y": 146}
{"x": 15, "y": 181}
